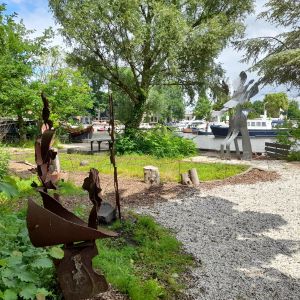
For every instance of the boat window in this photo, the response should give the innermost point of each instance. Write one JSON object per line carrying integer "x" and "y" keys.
{"x": 248, "y": 123}
{"x": 263, "y": 124}
{"x": 258, "y": 124}
{"x": 252, "y": 123}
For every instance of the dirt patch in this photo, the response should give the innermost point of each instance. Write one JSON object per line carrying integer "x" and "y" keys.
{"x": 251, "y": 177}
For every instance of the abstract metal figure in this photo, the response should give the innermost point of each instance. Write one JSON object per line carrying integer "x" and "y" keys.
{"x": 53, "y": 224}
{"x": 238, "y": 123}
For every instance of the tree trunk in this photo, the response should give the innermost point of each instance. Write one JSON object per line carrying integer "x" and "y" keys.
{"x": 137, "y": 114}
{"x": 22, "y": 130}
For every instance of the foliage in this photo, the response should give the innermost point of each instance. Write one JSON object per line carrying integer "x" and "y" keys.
{"x": 293, "y": 112}
{"x": 4, "y": 159}
{"x": 203, "y": 108}
{"x": 281, "y": 60}
{"x": 26, "y": 272}
{"x": 166, "y": 102}
{"x": 159, "y": 142}
{"x": 18, "y": 58}
{"x": 275, "y": 102}
{"x": 160, "y": 42}
{"x": 69, "y": 94}
{"x": 145, "y": 262}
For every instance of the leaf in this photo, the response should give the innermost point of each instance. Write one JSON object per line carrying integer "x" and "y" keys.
{"x": 41, "y": 294}
{"x": 29, "y": 291}
{"x": 43, "y": 262}
{"x": 8, "y": 282}
{"x": 56, "y": 252}
{"x": 26, "y": 276}
{"x": 10, "y": 295}
{"x": 7, "y": 273}
{"x": 3, "y": 262}
{"x": 8, "y": 189}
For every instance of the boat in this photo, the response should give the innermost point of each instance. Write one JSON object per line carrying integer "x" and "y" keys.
{"x": 260, "y": 127}
{"x": 195, "y": 126}
{"x": 77, "y": 134}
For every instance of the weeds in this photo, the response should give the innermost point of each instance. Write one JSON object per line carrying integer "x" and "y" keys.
{"x": 145, "y": 262}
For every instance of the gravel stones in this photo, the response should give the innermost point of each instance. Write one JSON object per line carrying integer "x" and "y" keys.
{"x": 247, "y": 237}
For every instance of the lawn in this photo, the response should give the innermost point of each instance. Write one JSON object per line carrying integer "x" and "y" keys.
{"x": 132, "y": 166}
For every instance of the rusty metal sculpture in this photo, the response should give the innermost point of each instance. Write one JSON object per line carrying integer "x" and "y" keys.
{"x": 53, "y": 224}
{"x": 112, "y": 152}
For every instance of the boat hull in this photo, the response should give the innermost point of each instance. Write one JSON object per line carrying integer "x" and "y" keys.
{"x": 220, "y": 131}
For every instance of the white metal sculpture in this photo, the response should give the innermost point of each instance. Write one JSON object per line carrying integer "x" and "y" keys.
{"x": 238, "y": 123}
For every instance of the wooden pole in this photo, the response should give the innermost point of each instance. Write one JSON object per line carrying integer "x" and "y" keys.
{"x": 194, "y": 176}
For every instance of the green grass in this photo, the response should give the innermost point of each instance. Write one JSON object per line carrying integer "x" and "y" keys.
{"x": 23, "y": 189}
{"x": 145, "y": 262}
{"x": 132, "y": 166}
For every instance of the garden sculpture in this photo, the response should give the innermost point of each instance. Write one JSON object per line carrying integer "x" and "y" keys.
{"x": 238, "y": 122}
{"x": 53, "y": 224}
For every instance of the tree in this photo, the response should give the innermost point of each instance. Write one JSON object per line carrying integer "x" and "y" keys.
{"x": 160, "y": 41}
{"x": 293, "y": 112}
{"x": 69, "y": 94}
{"x": 18, "y": 56}
{"x": 203, "y": 108}
{"x": 276, "y": 102}
{"x": 281, "y": 53}
{"x": 166, "y": 102}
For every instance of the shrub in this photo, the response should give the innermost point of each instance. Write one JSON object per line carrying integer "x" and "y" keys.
{"x": 26, "y": 272}
{"x": 159, "y": 142}
{"x": 4, "y": 158}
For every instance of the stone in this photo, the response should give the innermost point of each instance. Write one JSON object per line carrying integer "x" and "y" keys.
{"x": 84, "y": 163}
{"x": 106, "y": 214}
{"x": 151, "y": 175}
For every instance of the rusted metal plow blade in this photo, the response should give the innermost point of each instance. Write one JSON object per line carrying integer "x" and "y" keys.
{"x": 47, "y": 228}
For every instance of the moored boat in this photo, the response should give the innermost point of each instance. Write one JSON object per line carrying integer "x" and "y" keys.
{"x": 256, "y": 127}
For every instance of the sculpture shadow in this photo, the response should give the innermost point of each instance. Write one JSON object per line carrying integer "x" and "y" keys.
{"x": 233, "y": 248}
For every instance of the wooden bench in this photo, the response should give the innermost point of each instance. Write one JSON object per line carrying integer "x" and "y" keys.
{"x": 99, "y": 141}
{"x": 277, "y": 151}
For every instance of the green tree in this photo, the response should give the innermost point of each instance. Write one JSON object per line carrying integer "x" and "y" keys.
{"x": 281, "y": 53}
{"x": 166, "y": 102}
{"x": 293, "y": 112}
{"x": 203, "y": 108}
{"x": 275, "y": 102}
{"x": 69, "y": 94}
{"x": 18, "y": 56}
{"x": 160, "y": 42}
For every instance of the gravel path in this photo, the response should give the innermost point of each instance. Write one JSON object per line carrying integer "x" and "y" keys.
{"x": 246, "y": 238}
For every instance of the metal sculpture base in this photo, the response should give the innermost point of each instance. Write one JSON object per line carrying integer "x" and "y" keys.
{"x": 75, "y": 273}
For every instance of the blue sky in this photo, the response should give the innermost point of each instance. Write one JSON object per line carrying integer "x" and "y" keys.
{"x": 36, "y": 15}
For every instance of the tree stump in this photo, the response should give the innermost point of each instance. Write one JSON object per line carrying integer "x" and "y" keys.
{"x": 185, "y": 179}
{"x": 151, "y": 175}
{"x": 194, "y": 176}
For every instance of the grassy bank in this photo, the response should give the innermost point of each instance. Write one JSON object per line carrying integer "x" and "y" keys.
{"x": 132, "y": 166}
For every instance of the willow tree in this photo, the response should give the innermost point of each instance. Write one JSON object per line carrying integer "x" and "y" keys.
{"x": 160, "y": 41}
{"x": 277, "y": 58}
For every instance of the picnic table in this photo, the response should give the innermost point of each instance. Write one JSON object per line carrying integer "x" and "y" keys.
{"x": 99, "y": 141}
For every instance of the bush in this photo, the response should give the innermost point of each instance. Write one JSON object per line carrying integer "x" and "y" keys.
{"x": 26, "y": 272}
{"x": 159, "y": 142}
{"x": 4, "y": 158}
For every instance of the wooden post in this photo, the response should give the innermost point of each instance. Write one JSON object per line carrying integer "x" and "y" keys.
{"x": 151, "y": 175}
{"x": 194, "y": 177}
{"x": 185, "y": 179}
